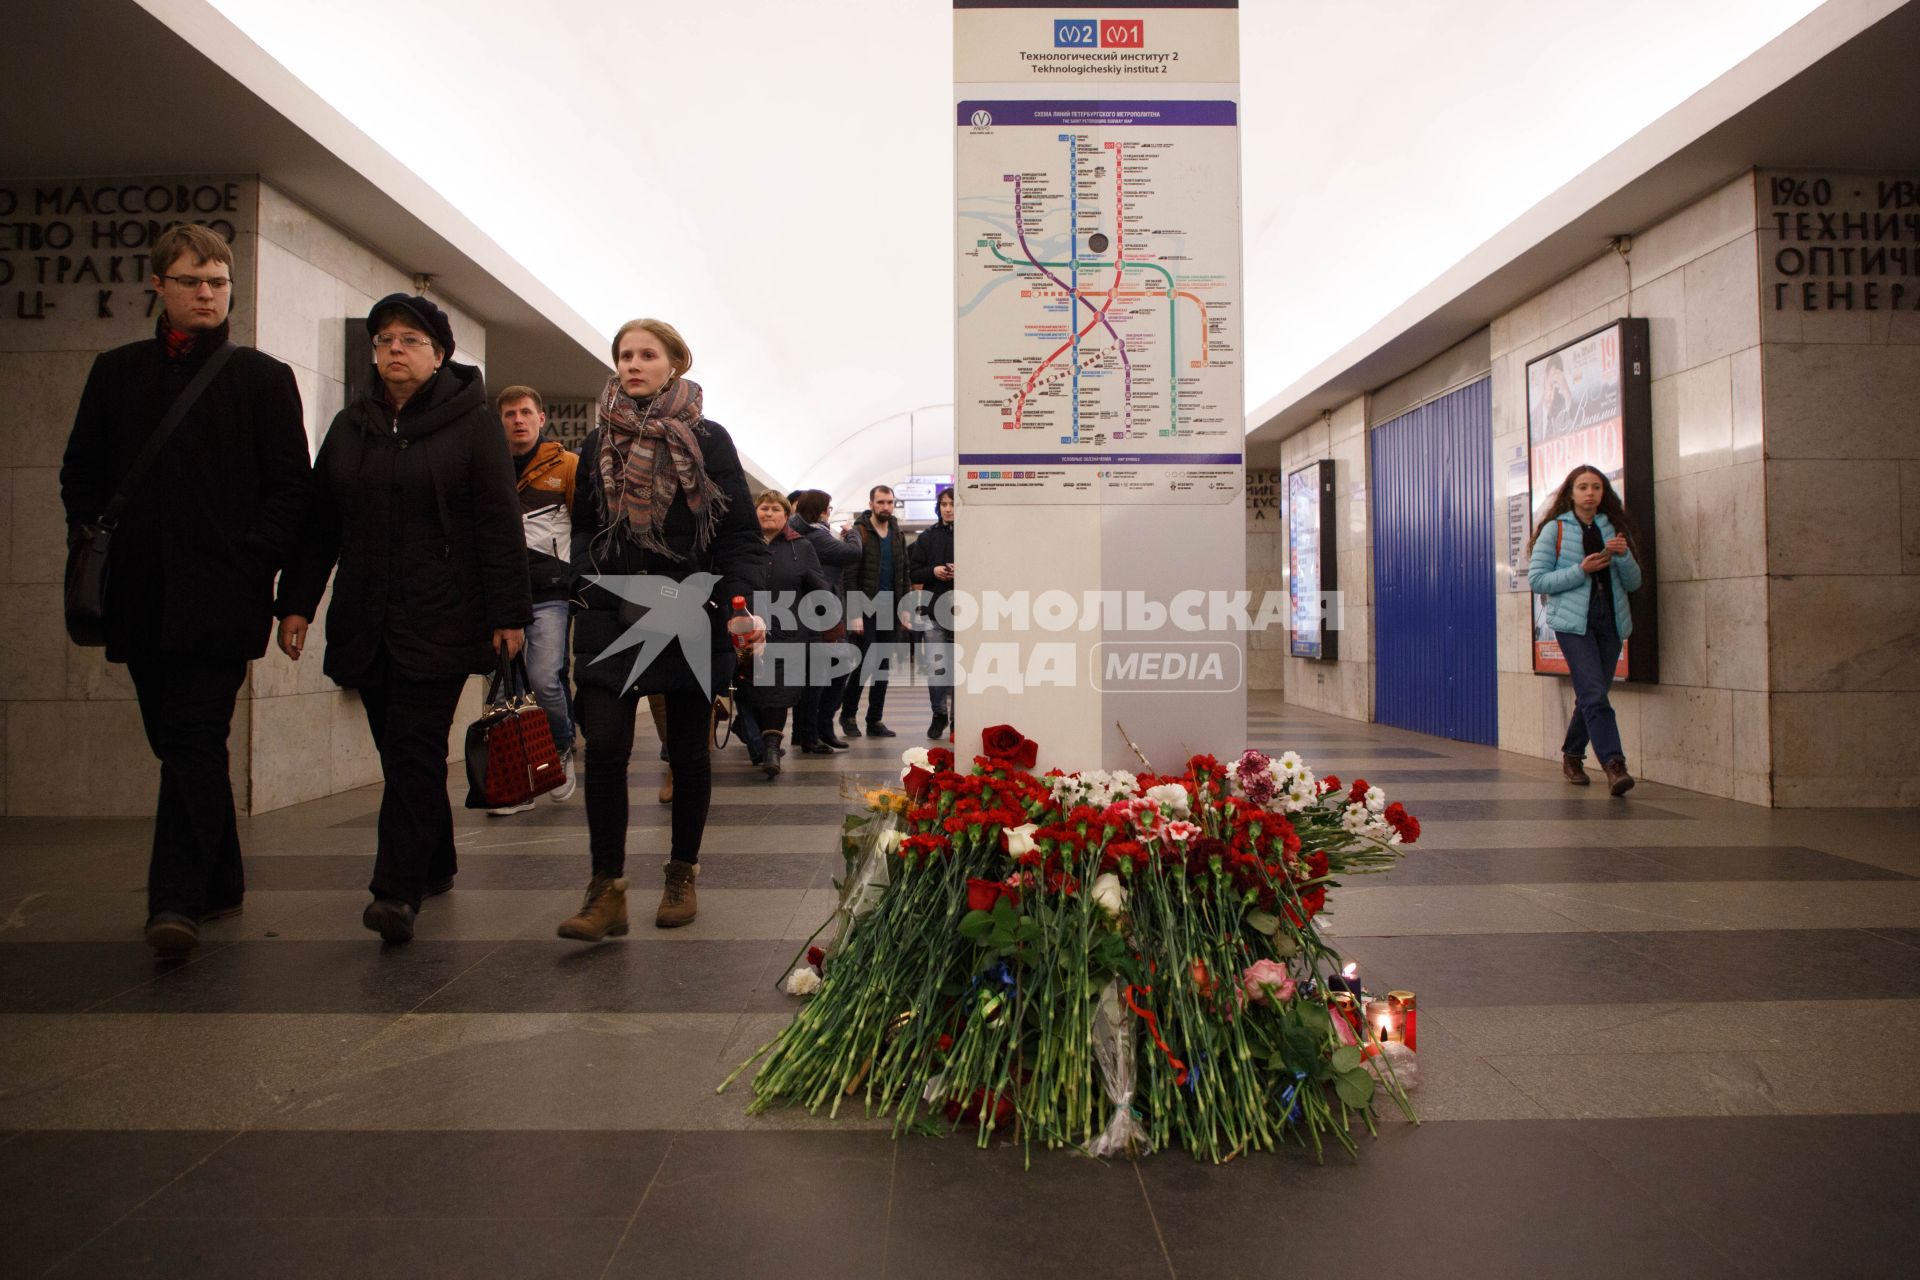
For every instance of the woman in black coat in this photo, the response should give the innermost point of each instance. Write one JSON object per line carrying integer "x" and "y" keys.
{"x": 663, "y": 538}
{"x": 415, "y": 502}
{"x": 813, "y": 723}
{"x": 775, "y": 683}
{"x": 930, "y": 568}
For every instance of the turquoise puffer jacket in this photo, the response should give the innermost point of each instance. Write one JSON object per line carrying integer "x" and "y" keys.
{"x": 1557, "y": 576}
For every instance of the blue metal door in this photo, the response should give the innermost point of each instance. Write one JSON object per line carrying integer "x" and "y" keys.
{"x": 1433, "y": 570}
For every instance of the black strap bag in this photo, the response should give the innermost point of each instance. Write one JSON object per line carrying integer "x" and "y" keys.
{"x": 89, "y": 552}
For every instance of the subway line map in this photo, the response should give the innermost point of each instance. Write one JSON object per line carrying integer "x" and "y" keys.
{"x": 1098, "y": 291}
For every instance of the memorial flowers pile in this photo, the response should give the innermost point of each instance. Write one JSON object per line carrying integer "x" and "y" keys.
{"x": 1109, "y": 961}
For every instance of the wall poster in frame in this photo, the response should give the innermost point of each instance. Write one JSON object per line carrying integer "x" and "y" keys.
{"x": 1312, "y": 572}
{"x": 1591, "y": 402}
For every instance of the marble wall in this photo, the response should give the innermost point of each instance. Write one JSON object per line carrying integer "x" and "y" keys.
{"x": 1840, "y": 375}
{"x": 1695, "y": 278}
{"x": 70, "y": 734}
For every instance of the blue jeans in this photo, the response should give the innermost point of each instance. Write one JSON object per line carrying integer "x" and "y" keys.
{"x": 547, "y": 667}
{"x": 936, "y": 652}
{"x": 1591, "y": 660}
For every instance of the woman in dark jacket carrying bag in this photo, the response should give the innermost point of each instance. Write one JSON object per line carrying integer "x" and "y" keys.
{"x": 775, "y": 683}
{"x": 416, "y": 504}
{"x": 663, "y": 538}
{"x": 813, "y": 721}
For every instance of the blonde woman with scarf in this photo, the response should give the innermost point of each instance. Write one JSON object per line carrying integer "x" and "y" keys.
{"x": 660, "y": 496}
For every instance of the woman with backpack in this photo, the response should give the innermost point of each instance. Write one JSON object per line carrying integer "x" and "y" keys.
{"x": 1583, "y": 563}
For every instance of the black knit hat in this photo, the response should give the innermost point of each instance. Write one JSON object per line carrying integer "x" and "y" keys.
{"x": 422, "y": 313}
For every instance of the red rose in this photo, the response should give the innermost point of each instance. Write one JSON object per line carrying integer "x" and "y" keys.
{"x": 982, "y": 894}
{"x": 916, "y": 782}
{"x": 817, "y": 958}
{"x": 1005, "y": 744}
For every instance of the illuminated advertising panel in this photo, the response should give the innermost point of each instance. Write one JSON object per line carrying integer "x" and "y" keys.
{"x": 1589, "y": 403}
{"x": 1311, "y": 577}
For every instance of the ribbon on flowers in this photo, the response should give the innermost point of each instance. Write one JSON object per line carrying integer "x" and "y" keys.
{"x": 1153, "y": 1029}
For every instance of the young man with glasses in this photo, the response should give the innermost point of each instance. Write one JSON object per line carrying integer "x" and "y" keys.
{"x": 189, "y": 598}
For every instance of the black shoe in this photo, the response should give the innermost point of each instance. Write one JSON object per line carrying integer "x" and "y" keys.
{"x": 877, "y": 730}
{"x": 439, "y": 887}
{"x": 848, "y": 727}
{"x": 816, "y": 749}
{"x": 170, "y": 933}
{"x": 836, "y": 744}
{"x": 391, "y": 918}
{"x": 938, "y": 729}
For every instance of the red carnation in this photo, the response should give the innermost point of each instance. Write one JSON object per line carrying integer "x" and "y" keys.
{"x": 1403, "y": 822}
{"x": 817, "y": 958}
{"x": 1006, "y": 745}
{"x": 1357, "y": 794}
{"x": 1329, "y": 784}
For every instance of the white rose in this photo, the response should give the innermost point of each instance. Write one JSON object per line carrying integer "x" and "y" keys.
{"x": 1376, "y": 800}
{"x": 803, "y": 981}
{"x": 1020, "y": 838}
{"x": 890, "y": 840}
{"x": 915, "y": 758}
{"x": 1171, "y": 798}
{"x": 1109, "y": 894}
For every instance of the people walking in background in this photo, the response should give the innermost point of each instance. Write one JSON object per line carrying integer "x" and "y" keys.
{"x": 414, "y": 503}
{"x": 201, "y": 534}
{"x": 1583, "y": 563}
{"x": 545, "y": 474}
{"x": 813, "y": 719}
{"x": 930, "y": 566}
{"x": 662, "y": 494}
{"x": 775, "y": 686}
{"x": 881, "y": 578}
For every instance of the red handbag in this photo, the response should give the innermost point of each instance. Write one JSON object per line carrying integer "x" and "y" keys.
{"x": 510, "y": 753}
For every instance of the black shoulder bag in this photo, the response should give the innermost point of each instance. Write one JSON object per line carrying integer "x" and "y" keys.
{"x": 88, "y": 554}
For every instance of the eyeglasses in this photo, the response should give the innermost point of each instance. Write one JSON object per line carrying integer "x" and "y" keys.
{"x": 219, "y": 284}
{"x": 411, "y": 341}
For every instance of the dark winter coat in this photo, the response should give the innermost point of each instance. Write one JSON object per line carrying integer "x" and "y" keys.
{"x": 795, "y": 573}
{"x": 736, "y": 553}
{"x": 866, "y": 578}
{"x": 217, "y": 513}
{"x": 419, "y": 512}
{"x": 933, "y": 548}
{"x": 836, "y": 558}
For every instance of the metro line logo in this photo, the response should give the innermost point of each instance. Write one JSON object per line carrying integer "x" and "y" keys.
{"x": 1089, "y": 33}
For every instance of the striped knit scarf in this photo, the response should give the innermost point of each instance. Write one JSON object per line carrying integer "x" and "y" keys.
{"x": 650, "y": 456}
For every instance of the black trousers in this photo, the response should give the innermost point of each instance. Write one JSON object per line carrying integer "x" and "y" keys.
{"x": 410, "y": 720}
{"x": 877, "y": 690}
{"x": 186, "y": 705}
{"x": 606, "y": 719}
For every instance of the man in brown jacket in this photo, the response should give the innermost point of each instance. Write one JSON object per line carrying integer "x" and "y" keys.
{"x": 546, "y": 471}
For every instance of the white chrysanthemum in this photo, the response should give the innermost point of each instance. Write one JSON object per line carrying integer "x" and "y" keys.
{"x": 1376, "y": 800}
{"x": 1171, "y": 799}
{"x": 1291, "y": 764}
{"x": 1355, "y": 818}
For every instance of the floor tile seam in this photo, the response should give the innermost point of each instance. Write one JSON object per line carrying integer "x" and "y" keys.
{"x": 666, "y": 1153}
{"x": 1153, "y": 1220}
{"x": 886, "y": 1219}
{"x": 84, "y": 1245}
{"x": 480, "y": 960}
{"x": 195, "y": 957}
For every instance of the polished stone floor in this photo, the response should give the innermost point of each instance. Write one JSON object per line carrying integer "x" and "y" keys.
{"x": 1666, "y": 1035}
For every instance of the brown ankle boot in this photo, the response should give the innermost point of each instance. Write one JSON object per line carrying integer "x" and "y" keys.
{"x": 666, "y": 789}
{"x": 602, "y": 915}
{"x": 1619, "y": 781}
{"x": 678, "y": 903}
{"x": 1574, "y": 770}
